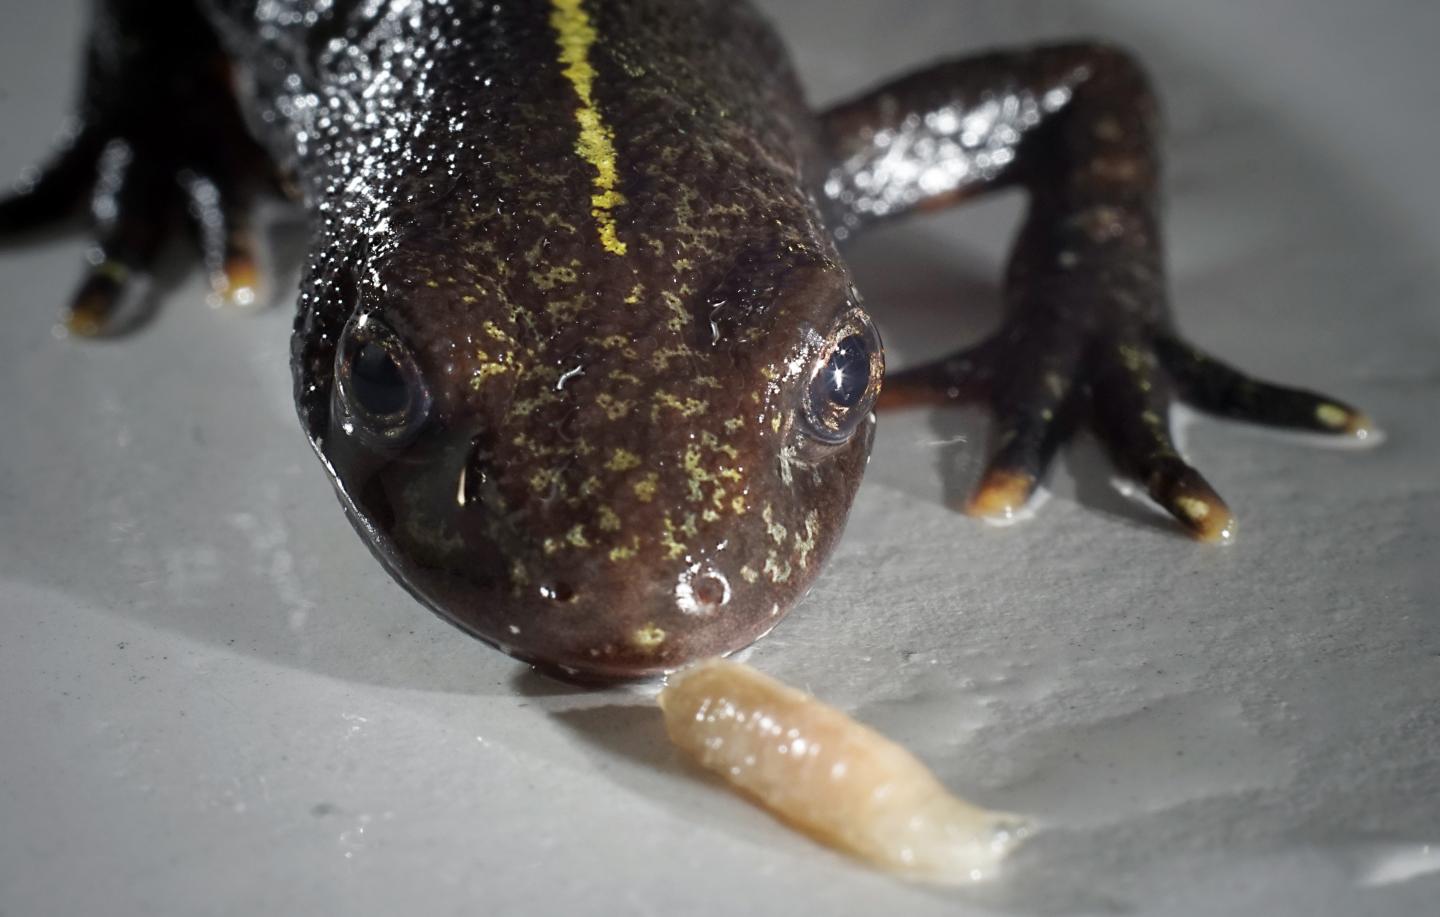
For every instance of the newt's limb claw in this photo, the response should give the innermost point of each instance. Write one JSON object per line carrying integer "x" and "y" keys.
{"x": 53, "y": 190}
{"x": 1028, "y": 408}
{"x": 1130, "y": 413}
{"x": 131, "y": 211}
{"x": 1052, "y": 376}
{"x": 1218, "y": 388}
{"x": 219, "y": 216}
{"x": 1032, "y": 411}
{"x": 1125, "y": 382}
{"x": 110, "y": 294}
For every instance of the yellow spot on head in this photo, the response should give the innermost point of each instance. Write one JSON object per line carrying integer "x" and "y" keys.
{"x": 673, "y": 548}
{"x": 662, "y": 357}
{"x": 519, "y": 574}
{"x": 688, "y": 407}
{"x": 614, "y": 408}
{"x": 775, "y": 529}
{"x": 777, "y": 571}
{"x": 648, "y": 638}
{"x": 575, "y": 35}
{"x": 646, "y": 486}
{"x": 688, "y": 526}
{"x": 609, "y": 521}
{"x": 491, "y": 366}
{"x": 622, "y": 460}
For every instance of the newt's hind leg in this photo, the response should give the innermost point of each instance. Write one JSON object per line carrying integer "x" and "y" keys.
{"x": 1087, "y": 336}
{"x": 158, "y": 137}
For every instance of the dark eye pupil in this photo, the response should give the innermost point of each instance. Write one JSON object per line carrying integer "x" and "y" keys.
{"x": 847, "y": 374}
{"x": 376, "y": 380}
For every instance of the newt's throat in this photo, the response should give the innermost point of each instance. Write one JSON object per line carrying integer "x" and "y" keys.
{"x": 575, "y": 34}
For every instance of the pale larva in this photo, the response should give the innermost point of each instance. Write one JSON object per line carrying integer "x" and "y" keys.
{"x": 840, "y": 782}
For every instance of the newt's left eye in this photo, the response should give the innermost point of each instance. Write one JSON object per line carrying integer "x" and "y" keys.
{"x": 379, "y": 383}
{"x": 845, "y": 381}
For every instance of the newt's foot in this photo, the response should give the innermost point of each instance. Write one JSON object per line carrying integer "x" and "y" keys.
{"x": 174, "y": 145}
{"x": 1042, "y": 384}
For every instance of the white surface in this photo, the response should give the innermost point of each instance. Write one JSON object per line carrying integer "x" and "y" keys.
{"x": 212, "y": 700}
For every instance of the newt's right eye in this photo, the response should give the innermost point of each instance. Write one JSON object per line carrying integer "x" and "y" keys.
{"x": 379, "y": 384}
{"x": 845, "y": 381}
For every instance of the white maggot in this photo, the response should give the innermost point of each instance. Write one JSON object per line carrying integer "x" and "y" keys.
{"x": 838, "y": 781}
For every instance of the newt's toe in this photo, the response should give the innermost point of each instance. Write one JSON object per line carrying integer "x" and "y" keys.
{"x": 238, "y": 284}
{"x": 1187, "y": 496}
{"x": 1001, "y": 495}
{"x": 1347, "y": 421}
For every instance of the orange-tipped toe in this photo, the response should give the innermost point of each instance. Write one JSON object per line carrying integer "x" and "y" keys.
{"x": 238, "y": 284}
{"x": 85, "y": 323}
{"x": 1002, "y": 493}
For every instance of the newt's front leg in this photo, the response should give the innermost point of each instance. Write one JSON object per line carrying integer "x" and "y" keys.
{"x": 1087, "y": 335}
{"x": 158, "y": 134}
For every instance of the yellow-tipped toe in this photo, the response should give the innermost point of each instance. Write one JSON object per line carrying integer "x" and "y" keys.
{"x": 1347, "y": 421}
{"x": 1205, "y": 515}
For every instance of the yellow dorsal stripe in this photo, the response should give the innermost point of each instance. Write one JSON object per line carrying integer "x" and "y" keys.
{"x": 575, "y": 35}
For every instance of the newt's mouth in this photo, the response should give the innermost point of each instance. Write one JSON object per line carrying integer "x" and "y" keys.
{"x": 437, "y": 518}
{"x": 571, "y": 584}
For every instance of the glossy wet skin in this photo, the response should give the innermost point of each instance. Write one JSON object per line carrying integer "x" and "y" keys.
{"x": 620, "y": 510}
{"x": 607, "y": 439}
{"x": 573, "y": 339}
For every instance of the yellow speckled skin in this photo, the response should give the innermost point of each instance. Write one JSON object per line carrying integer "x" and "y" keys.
{"x": 574, "y": 341}
{"x": 593, "y": 224}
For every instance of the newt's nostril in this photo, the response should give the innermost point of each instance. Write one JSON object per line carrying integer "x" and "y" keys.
{"x": 701, "y": 591}
{"x": 711, "y": 590}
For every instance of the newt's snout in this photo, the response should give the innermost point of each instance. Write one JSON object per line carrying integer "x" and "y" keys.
{"x": 608, "y": 565}
{"x": 613, "y": 505}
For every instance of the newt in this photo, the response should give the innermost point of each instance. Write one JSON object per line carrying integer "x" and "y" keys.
{"x": 575, "y": 338}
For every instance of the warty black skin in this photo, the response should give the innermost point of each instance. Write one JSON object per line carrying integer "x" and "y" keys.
{"x": 595, "y": 240}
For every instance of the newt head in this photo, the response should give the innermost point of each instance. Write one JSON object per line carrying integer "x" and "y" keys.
{"x": 610, "y": 490}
